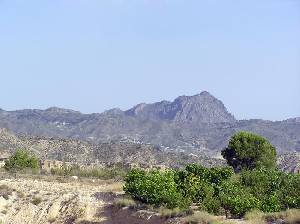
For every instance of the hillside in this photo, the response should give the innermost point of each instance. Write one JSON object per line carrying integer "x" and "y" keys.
{"x": 105, "y": 154}
{"x": 199, "y": 123}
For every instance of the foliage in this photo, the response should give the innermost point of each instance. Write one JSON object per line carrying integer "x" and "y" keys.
{"x": 21, "y": 160}
{"x": 200, "y": 184}
{"x": 258, "y": 185}
{"x": 248, "y": 151}
{"x": 236, "y": 200}
{"x": 276, "y": 190}
{"x": 289, "y": 191}
{"x": 154, "y": 187}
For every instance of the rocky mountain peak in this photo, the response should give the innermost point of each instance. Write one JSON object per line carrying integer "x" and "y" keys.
{"x": 203, "y": 108}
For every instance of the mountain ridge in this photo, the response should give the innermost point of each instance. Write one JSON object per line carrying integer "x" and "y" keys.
{"x": 189, "y": 123}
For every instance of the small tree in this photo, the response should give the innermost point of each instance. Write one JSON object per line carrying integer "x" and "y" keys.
{"x": 248, "y": 151}
{"x": 21, "y": 160}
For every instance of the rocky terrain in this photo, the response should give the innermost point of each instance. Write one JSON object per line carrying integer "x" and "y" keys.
{"x": 199, "y": 123}
{"x": 117, "y": 153}
{"x": 38, "y": 201}
{"x": 289, "y": 162}
{"x": 104, "y": 154}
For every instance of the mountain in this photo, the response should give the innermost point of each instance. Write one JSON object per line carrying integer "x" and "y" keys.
{"x": 201, "y": 108}
{"x": 199, "y": 123}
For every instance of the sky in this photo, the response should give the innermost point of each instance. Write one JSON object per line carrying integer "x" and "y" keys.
{"x": 94, "y": 55}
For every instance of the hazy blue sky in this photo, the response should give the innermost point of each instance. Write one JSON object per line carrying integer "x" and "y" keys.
{"x": 93, "y": 55}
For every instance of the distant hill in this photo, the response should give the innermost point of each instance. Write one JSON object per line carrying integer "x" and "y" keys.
{"x": 117, "y": 153}
{"x": 199, "y": 123}
{"x": 111, "y": 153}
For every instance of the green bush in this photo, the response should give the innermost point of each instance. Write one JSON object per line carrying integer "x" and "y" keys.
{"x": 154, "y": 187}
{"x": 289, "y": 191}
{"x": 248, "y": 151}
{"x": 200, "y": 185}
{"x": 21, "y": 160}
{"x": 213, "y": 175}
{"x": 236, "y": 200}
{"x": 276, "y": 190}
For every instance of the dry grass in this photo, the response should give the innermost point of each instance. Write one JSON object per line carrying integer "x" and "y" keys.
{"x": 201, "y": 217}
{"x": 290, "y": 216}
{"x": 293, "y": 216}
{"x": 113, "y": 187}
{"x": 175, "y": 212}
{"x": 255, "y": 217}
{"x": 169, "y": 213}
{"x": 125, "y": 202}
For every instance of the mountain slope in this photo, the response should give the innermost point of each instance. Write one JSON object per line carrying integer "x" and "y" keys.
{"x": 87, "y": 153}
{"x": 199, "y": 123}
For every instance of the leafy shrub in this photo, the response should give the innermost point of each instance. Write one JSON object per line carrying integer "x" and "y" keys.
{"x": 200, "y": 184}
{"x": 289, "y": 191}
{"x": 193, "y": 187}
{"x": 154, "y": 187}
{"x": 21, "y": 160}
{"x": 236, "y": 200}
{"x": 213, "y": 175}
{"x": 276, "y": 189}
{"x": 248, "y": 151}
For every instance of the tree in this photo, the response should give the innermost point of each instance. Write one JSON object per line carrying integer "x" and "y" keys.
{"x": 248, "y": 151}
{"x": 21, "y": 160}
